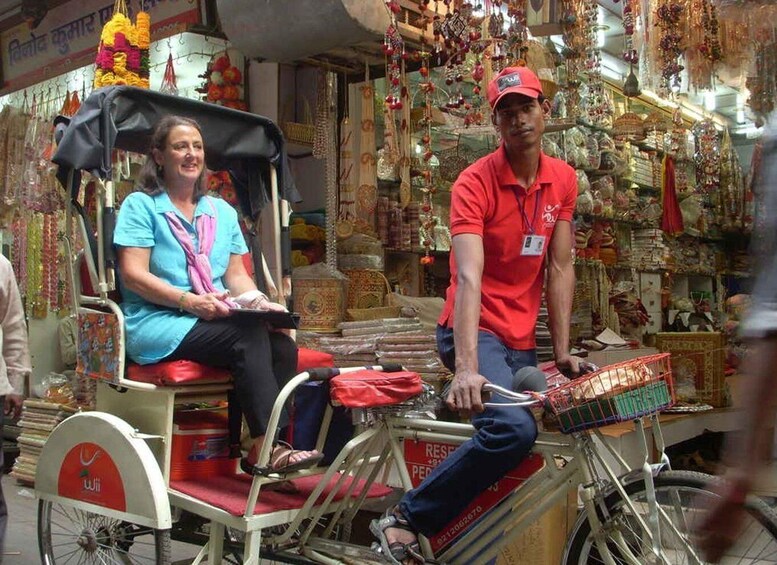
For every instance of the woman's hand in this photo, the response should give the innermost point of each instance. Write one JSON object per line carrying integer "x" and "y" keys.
{"x": 257, "y": 300}
{"x": 208, "y": 306}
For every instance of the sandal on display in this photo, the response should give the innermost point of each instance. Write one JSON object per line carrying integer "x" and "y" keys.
{"x": 283, "y": 459}
{"x": 395, "y": 552}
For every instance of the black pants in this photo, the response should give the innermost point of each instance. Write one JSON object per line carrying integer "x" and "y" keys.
{"x": 261, "y": 362}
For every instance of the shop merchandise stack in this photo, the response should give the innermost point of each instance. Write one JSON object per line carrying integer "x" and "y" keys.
{"x": 648, "y": 251}
{"x": 38, "y": 419}
{"x": 415, "y": 352}
{"x": 387, "y": 340}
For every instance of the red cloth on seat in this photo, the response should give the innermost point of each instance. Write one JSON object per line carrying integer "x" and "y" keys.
{"x": 365, "y": 388}
{"x": 176, "y": 373}
{"x": 185, "y": 372}
{"x": 310, "y": 359}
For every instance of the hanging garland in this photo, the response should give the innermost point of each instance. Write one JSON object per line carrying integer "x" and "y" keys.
{"x": 669, "y": 16}
{"x": 122, "y": 56}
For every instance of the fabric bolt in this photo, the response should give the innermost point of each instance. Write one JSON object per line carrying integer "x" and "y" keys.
{"x": 487, "y": 201}
{"x": 503, "y": 437}
{"x": 261, "y": 363}
{"x": 153, "y": 331}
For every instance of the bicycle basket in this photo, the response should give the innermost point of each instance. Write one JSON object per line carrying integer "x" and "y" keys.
{"x": 616, "y": 393}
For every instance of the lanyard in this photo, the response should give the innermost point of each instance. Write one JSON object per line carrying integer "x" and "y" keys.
{"x": 522, "y": 208}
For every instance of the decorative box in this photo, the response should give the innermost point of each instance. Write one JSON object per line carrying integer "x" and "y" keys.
{"x": 699, "y": 356}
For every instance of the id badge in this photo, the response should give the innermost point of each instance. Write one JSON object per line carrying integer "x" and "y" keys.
{"x": 533, "y": 245}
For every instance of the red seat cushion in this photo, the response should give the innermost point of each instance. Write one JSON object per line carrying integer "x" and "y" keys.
{"x": 310, "y": 359}
{"x": 185, "y": 372}
{"x": 366, "y": 387}
{"x": 176, "y": 373}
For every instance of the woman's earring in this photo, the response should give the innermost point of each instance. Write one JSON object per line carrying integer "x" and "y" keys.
{"x": 160, "y": 170}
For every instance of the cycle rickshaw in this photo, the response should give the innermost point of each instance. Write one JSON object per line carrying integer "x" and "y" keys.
{"x": 105, "y": 478}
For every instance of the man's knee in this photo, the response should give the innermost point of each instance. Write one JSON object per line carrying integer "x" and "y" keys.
{"x": 510, "y": 430}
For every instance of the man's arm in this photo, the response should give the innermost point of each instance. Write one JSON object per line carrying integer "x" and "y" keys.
{"x": 465, "y": 390}
{"x": 560, "y": 292}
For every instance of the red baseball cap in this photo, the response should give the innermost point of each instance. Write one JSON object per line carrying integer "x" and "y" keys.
{"x": 513, "y": 80}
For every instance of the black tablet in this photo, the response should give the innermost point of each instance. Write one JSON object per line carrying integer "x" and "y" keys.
{"x": 283, "y": 320}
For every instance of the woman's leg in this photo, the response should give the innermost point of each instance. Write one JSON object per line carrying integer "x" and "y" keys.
{"x": 261, "y": 362}
{"x": 244, "y": 349}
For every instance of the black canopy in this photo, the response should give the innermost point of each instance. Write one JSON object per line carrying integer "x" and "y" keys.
{"x": 123, "y": 117}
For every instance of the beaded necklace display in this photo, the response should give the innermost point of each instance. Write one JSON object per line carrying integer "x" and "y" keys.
{"x": 704, "y": 50}
{"x": 346, "y": 214}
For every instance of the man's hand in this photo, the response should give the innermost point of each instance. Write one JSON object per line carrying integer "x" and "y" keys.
{"x": 465, "y": 394}
{"x": 569, "y": 365}
{"x": 13, "y": 405}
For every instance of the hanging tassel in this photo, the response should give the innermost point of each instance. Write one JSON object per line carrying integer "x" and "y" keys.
{"x": 672, "y": 219}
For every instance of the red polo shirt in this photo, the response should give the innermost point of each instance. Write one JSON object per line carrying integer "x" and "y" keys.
{"x": 486, "y": 200}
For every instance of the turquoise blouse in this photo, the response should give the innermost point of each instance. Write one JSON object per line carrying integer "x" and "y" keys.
{"x": 153, "y": 331}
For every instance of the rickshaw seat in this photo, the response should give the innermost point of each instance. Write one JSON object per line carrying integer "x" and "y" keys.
{"x": 175, "y": 373}
{"x": 181, "y": 372}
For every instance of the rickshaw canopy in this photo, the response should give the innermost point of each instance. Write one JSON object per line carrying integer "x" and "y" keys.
{"x": 123, "y": 117}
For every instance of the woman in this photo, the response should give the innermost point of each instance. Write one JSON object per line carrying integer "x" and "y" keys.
{"x": 179, "y": 262}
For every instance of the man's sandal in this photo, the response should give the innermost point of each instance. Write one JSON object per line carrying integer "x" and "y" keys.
{"x": 395, "y": 552}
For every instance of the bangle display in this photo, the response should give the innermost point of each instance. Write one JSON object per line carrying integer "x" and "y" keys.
{"x": 181, "y": 301}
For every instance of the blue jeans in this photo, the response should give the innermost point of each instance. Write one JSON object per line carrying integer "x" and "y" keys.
{"x": 503, "y": 437}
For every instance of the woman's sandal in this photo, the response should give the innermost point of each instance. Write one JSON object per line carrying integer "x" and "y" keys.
{"x": 284, "y": 487}
{"x": 395, "y": 552}
{"x": 281, "y": 463}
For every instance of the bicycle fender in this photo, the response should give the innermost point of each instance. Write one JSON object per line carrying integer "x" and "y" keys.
{"x": 100, "y": 464}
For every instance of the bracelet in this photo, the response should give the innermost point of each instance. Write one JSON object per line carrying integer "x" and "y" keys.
{"x": 181, "y": 301}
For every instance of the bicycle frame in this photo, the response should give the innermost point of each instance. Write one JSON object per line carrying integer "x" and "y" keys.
{"x": 567, "y": 461}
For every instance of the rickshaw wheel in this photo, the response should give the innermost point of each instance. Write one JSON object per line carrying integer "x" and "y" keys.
{"x": 66, "y": 532}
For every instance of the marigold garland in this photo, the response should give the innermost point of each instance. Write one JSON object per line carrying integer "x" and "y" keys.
{"x": 122, "y": 57}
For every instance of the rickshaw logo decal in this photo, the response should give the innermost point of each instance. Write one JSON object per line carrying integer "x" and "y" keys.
{"x": 90, "y": 460}
{"x": 89, "y": 474}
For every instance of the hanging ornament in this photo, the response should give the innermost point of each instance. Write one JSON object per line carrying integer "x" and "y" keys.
{"x": 169, "y": 83}
{"x": 669, "y": 16}
{"x": 394, "y": 51}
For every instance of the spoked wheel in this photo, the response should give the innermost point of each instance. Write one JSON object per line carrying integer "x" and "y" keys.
{"x": 683, "y": 498}
{"x": 69, "y": 535}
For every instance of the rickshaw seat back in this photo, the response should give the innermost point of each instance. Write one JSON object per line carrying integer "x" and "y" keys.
{"x": 100, "y": 356}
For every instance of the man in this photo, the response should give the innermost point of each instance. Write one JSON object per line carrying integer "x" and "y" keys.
{"x": 721, "y": 528}
{"x": 511, "y": 215}
{"x": 14, "y": 363}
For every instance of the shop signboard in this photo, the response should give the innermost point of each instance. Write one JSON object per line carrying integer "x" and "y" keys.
{"x": 68, "y": 36}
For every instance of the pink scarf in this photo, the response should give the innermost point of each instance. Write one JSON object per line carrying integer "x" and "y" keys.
{"x": 200, "y": 273}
